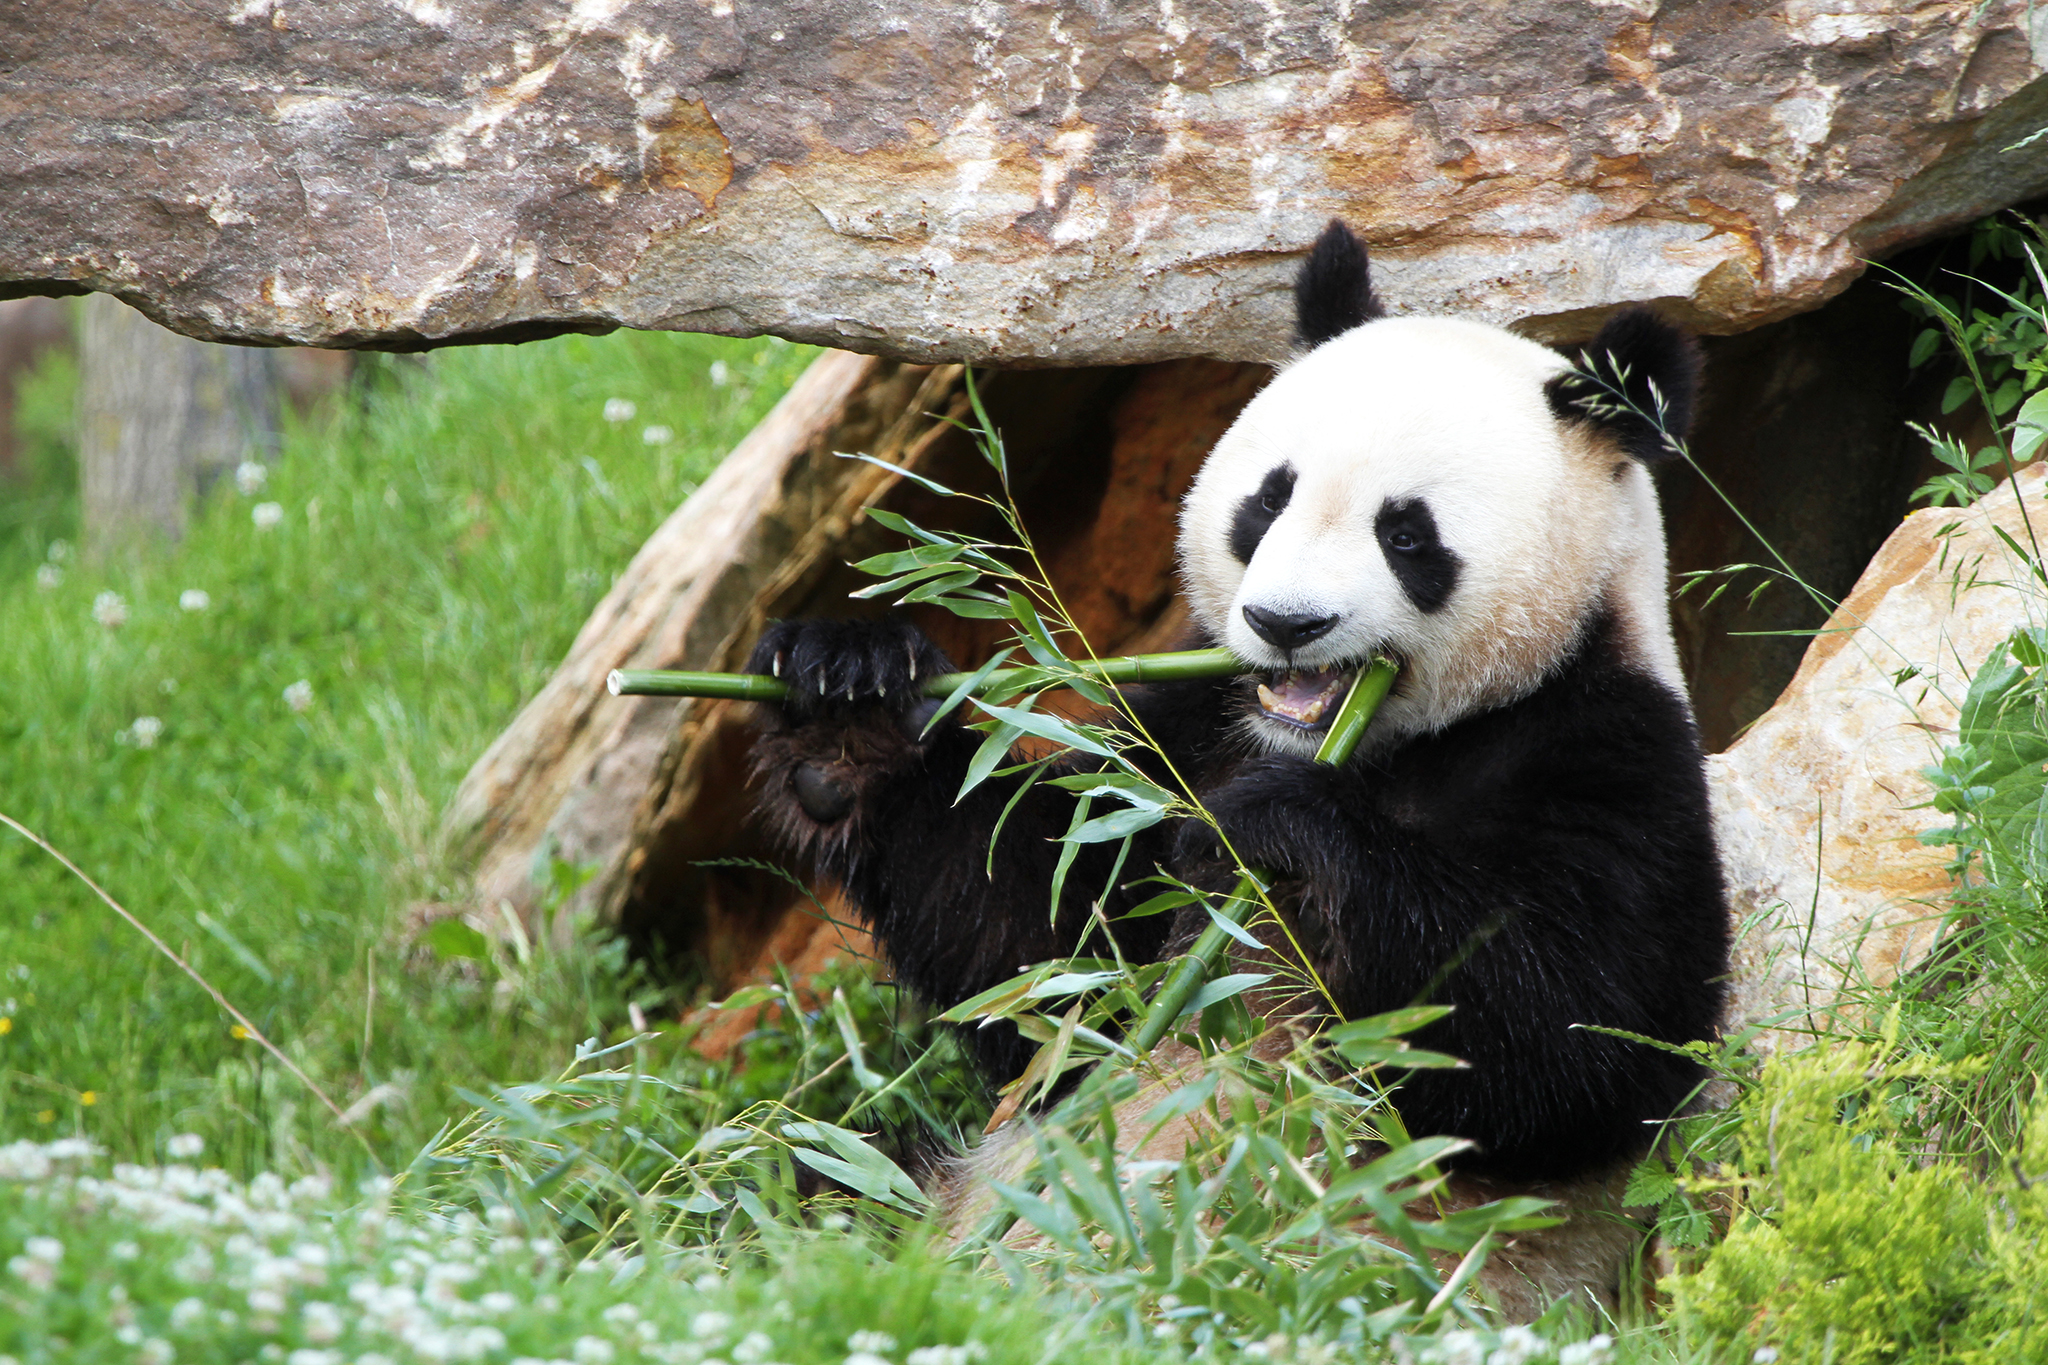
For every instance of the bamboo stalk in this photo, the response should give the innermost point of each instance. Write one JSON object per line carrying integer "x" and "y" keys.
{"x": 1133, "y": 668}
{"x": 1368, "y": 690}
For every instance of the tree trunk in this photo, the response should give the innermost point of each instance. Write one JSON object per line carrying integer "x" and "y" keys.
{"x": 160, "y": 417}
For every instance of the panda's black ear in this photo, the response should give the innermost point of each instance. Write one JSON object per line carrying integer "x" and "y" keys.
{"x": 1333, "y": 292}
{"x": 1638, "y": 379}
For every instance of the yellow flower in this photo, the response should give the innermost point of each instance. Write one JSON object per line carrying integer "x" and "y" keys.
{"x": 46, "y": 1116}
{"x": 6, "y": 1025}
{"x": 238, "y": 1032}
{"x": 89, "y": 1097}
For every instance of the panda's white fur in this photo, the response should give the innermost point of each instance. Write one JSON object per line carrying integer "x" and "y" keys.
{"x": 1547, "y": 518}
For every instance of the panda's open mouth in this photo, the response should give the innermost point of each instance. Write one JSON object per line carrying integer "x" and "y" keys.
{"x": 1305, "y": 698}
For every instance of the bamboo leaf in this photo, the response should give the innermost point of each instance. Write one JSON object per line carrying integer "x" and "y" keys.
{"x": 880, "y": 1178}
{"x": 1160, "y": 904}
{"x": 992, "y": 752}
{"x": 937, "y": 588}
{"x": 1116, "y": 825}
{"x": 1234, "y": 929}
{"x": 1069, "y": 850}
{"x": 1392, "y": 1024}
{"x": 965, "y": 689}
{"x": 905, "y": 526}
{"x": 1048, "y": 727}
{"x": 931, "y": 485}
{"x": 903, "y": 561}
{"x": 1223, "y": 988}
{"x": 981, "y": 609}
{"x": 1071, "y": 983}
{"x": 943, "y": 572}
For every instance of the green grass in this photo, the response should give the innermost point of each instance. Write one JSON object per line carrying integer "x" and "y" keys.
{"x": 444, "y": 532}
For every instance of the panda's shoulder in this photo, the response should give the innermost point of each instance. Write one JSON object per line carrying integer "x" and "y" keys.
{"x": 1602, "y": 729}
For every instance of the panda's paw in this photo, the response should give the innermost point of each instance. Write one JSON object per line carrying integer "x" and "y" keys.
{"x": 851, "y": 725}
{"x": 1277, "y": 812}
{"x": 839, "y": 669}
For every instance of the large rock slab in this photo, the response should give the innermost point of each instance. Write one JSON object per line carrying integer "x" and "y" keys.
{"x": 1054, "y": 183}
{"x": 1820, "y": 805}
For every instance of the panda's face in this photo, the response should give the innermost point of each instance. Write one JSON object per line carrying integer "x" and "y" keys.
{"x": 1406, "y": 489}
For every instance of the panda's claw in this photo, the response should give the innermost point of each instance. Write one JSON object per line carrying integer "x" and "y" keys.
{"x": 854, "y": 664}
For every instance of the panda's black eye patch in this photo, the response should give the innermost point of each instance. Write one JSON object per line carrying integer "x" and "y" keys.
{"x": 1257, "y": 513}
{"x": 1426, "y": 568}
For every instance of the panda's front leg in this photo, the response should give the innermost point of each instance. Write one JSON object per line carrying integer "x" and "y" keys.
{"x": 1281, "y": 814}
{"x": 851, "y": 728}
{"x": 852, "y": 779}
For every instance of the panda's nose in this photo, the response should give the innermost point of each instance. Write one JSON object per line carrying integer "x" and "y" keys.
{"x": 1285, "y": 631}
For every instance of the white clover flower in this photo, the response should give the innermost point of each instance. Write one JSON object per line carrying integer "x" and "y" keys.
{"x": 1597, "y": 1350}
{"x": 1518, "y": 1346}
{"x": 375, "y": 1358}
{"x": 656, "y": 435}
{"x": 299, "y": 696}
{"x": 124, "y": 1251}
{"x": 266, "y": 1301}
{"x": 187, "y": 1313}
{"x": 266, "y": 515}
{"x": 866, "y": 1358}
{"x": 593, "y": 1351}
{"x": 109, "y": 610}
{"x": 59, "y": 552}
{"x": 250, "y": 476}
{"x": 195, "y": 1266}
{"x": 321, "y": 1323}
{"x": 1765, "y": 1355}
{"x": 185, "y": 1146}
{"x": 44, "y": 1249}
{"x": 721, "y": 374}
{"x": 48, "y": 576}
{"x": 971, "y": 1351}
{"x": 194, "y": 599}
{"x": 497, "y": 1301}
{"x": 307, "y": 1356}
{"x": 710, "y": 1325}
{"x": 880, "y": 1343}
{"x": 619, "y": 409}
{"x": 145, "y": 732}
{"x": 478, "y": 1342}
{"x": 621, "y": 1312}
{"x": 155, "y": 1351}
{"x": 128, "y": 1334}
{"x": 755, "y": 1347}
{"x": 1461, "y": 1348}
{"x": 35, "y": 1273}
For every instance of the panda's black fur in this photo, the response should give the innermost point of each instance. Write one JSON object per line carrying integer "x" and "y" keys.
{"x": 1540, "y": 864}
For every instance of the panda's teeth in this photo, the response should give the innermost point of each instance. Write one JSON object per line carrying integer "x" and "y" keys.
{"x": 1267, "y": 699}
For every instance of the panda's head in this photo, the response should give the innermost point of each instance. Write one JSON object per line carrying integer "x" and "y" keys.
{"x": 1441, "y": 491}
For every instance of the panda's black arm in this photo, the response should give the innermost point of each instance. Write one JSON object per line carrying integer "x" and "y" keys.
{"x": 859, "y": 788}
{"x": 1548, "y": 865}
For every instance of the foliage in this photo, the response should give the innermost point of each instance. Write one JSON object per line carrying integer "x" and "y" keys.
{"x": 1851, "y": 1247}
{"x": 2001, "y": 357}
{"x": 256, "y": 756}
{"x": 163, "y": 1263}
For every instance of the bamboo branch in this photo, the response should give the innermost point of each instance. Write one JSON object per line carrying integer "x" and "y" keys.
{"x": 1133, "y": 668}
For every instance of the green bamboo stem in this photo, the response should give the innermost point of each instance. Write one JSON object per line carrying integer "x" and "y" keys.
{"x": 1134, "y": 668}
{"x": 1368, "y": 690}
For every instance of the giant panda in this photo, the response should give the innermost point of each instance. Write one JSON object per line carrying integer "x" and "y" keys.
{"x": 1524, "y": 835}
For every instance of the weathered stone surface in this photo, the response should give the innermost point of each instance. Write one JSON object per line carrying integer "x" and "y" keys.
{"x": 1815, "y": 804}
{"x": 956, "y": 179}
